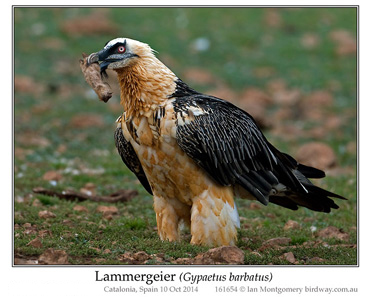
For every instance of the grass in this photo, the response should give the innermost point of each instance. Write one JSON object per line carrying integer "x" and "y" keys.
{"x": 242, "y": 41}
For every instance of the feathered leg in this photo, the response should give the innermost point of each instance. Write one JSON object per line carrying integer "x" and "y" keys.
{"x": 169, "y": 213}
{"x": 214, "y": 218}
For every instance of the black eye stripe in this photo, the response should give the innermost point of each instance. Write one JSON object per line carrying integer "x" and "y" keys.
{"x": 111, "y": 50}
{"x": 114, "y": 48}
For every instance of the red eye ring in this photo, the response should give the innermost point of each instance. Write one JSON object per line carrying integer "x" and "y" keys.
{"x": 121, "y": 49}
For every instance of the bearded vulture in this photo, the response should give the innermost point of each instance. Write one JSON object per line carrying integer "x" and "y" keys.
{"x": 194, "y": 152}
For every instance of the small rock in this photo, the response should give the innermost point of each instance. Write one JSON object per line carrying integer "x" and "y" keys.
{"x": 325, "y": 244}
{"x": 137, "y": 258}
{"x": 201, "y": 44}
{"x": 29, "y": 229}
{"x": 36, "y": 203}
{"x": 126, "y": 257}
{"x": 160, "y": 258}
{"x": 52, "y": 175}
{"x": 256, "y": 254}
{"x": 316, "y": 154}
{"x": 272, "y": 17}
{"x": 221, "y": 255}
{"x": 308, "y": 243}
{"x": 107, "y": 210}
{"x": 99, "y": 260}
{"x": 20, "y": 261}
{"x": 316, "y": 259}
{"x": 310, "y": 40}
{"x": 333, "y": 232}
{"x": 313, "y": 228}
{"x": 43, "y": 233}
{"x": 108, "y": 216}
{"x": 52, "y": 256}
{"x": 141, "y": 256}
{"x": 346, "y": 42}
{"x": 61, "y": 148}
{"x": 80, "y": 208}
{"x": 67, "y": 222}
{"x": 291, "y": 225}
{"x": 289, "y": 257}
{"x": 277, "y": 241}
{"x": 95, "y": 249}
{"x": 45, "y": 214}
{"x": 333, "y": 122}
{"x": 183, "y": 261}
{"x": 270, "y": 215}
{"x": 107, "y": 251}
{"x": 36, "y": 243}
{"x": 246, "y": 239}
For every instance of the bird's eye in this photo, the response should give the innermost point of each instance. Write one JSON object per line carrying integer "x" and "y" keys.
{"x": 121, "y": 49}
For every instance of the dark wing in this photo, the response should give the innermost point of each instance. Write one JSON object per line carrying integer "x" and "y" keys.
{"x": 226, "y": 142}
{"x": 130, "y": 158}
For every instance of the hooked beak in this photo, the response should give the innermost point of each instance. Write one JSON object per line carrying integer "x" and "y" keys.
{"x": 97, "y": 57}
{"x": 93, "y": 58}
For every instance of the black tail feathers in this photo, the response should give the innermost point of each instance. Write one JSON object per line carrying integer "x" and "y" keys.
{"x": 316, "y": 199}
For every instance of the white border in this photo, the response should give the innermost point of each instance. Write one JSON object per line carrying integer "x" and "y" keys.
{"x": 53, "y": 281}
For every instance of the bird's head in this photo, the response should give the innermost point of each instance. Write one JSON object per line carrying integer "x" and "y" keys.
{"x": 143, "y": 79}
{"x": 120, "y": 53}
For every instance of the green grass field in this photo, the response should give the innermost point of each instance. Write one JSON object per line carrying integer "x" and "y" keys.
{"x": 61, "y": 127}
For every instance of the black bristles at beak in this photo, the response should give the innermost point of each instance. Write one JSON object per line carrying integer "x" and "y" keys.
{"x": 103, "y": 66}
